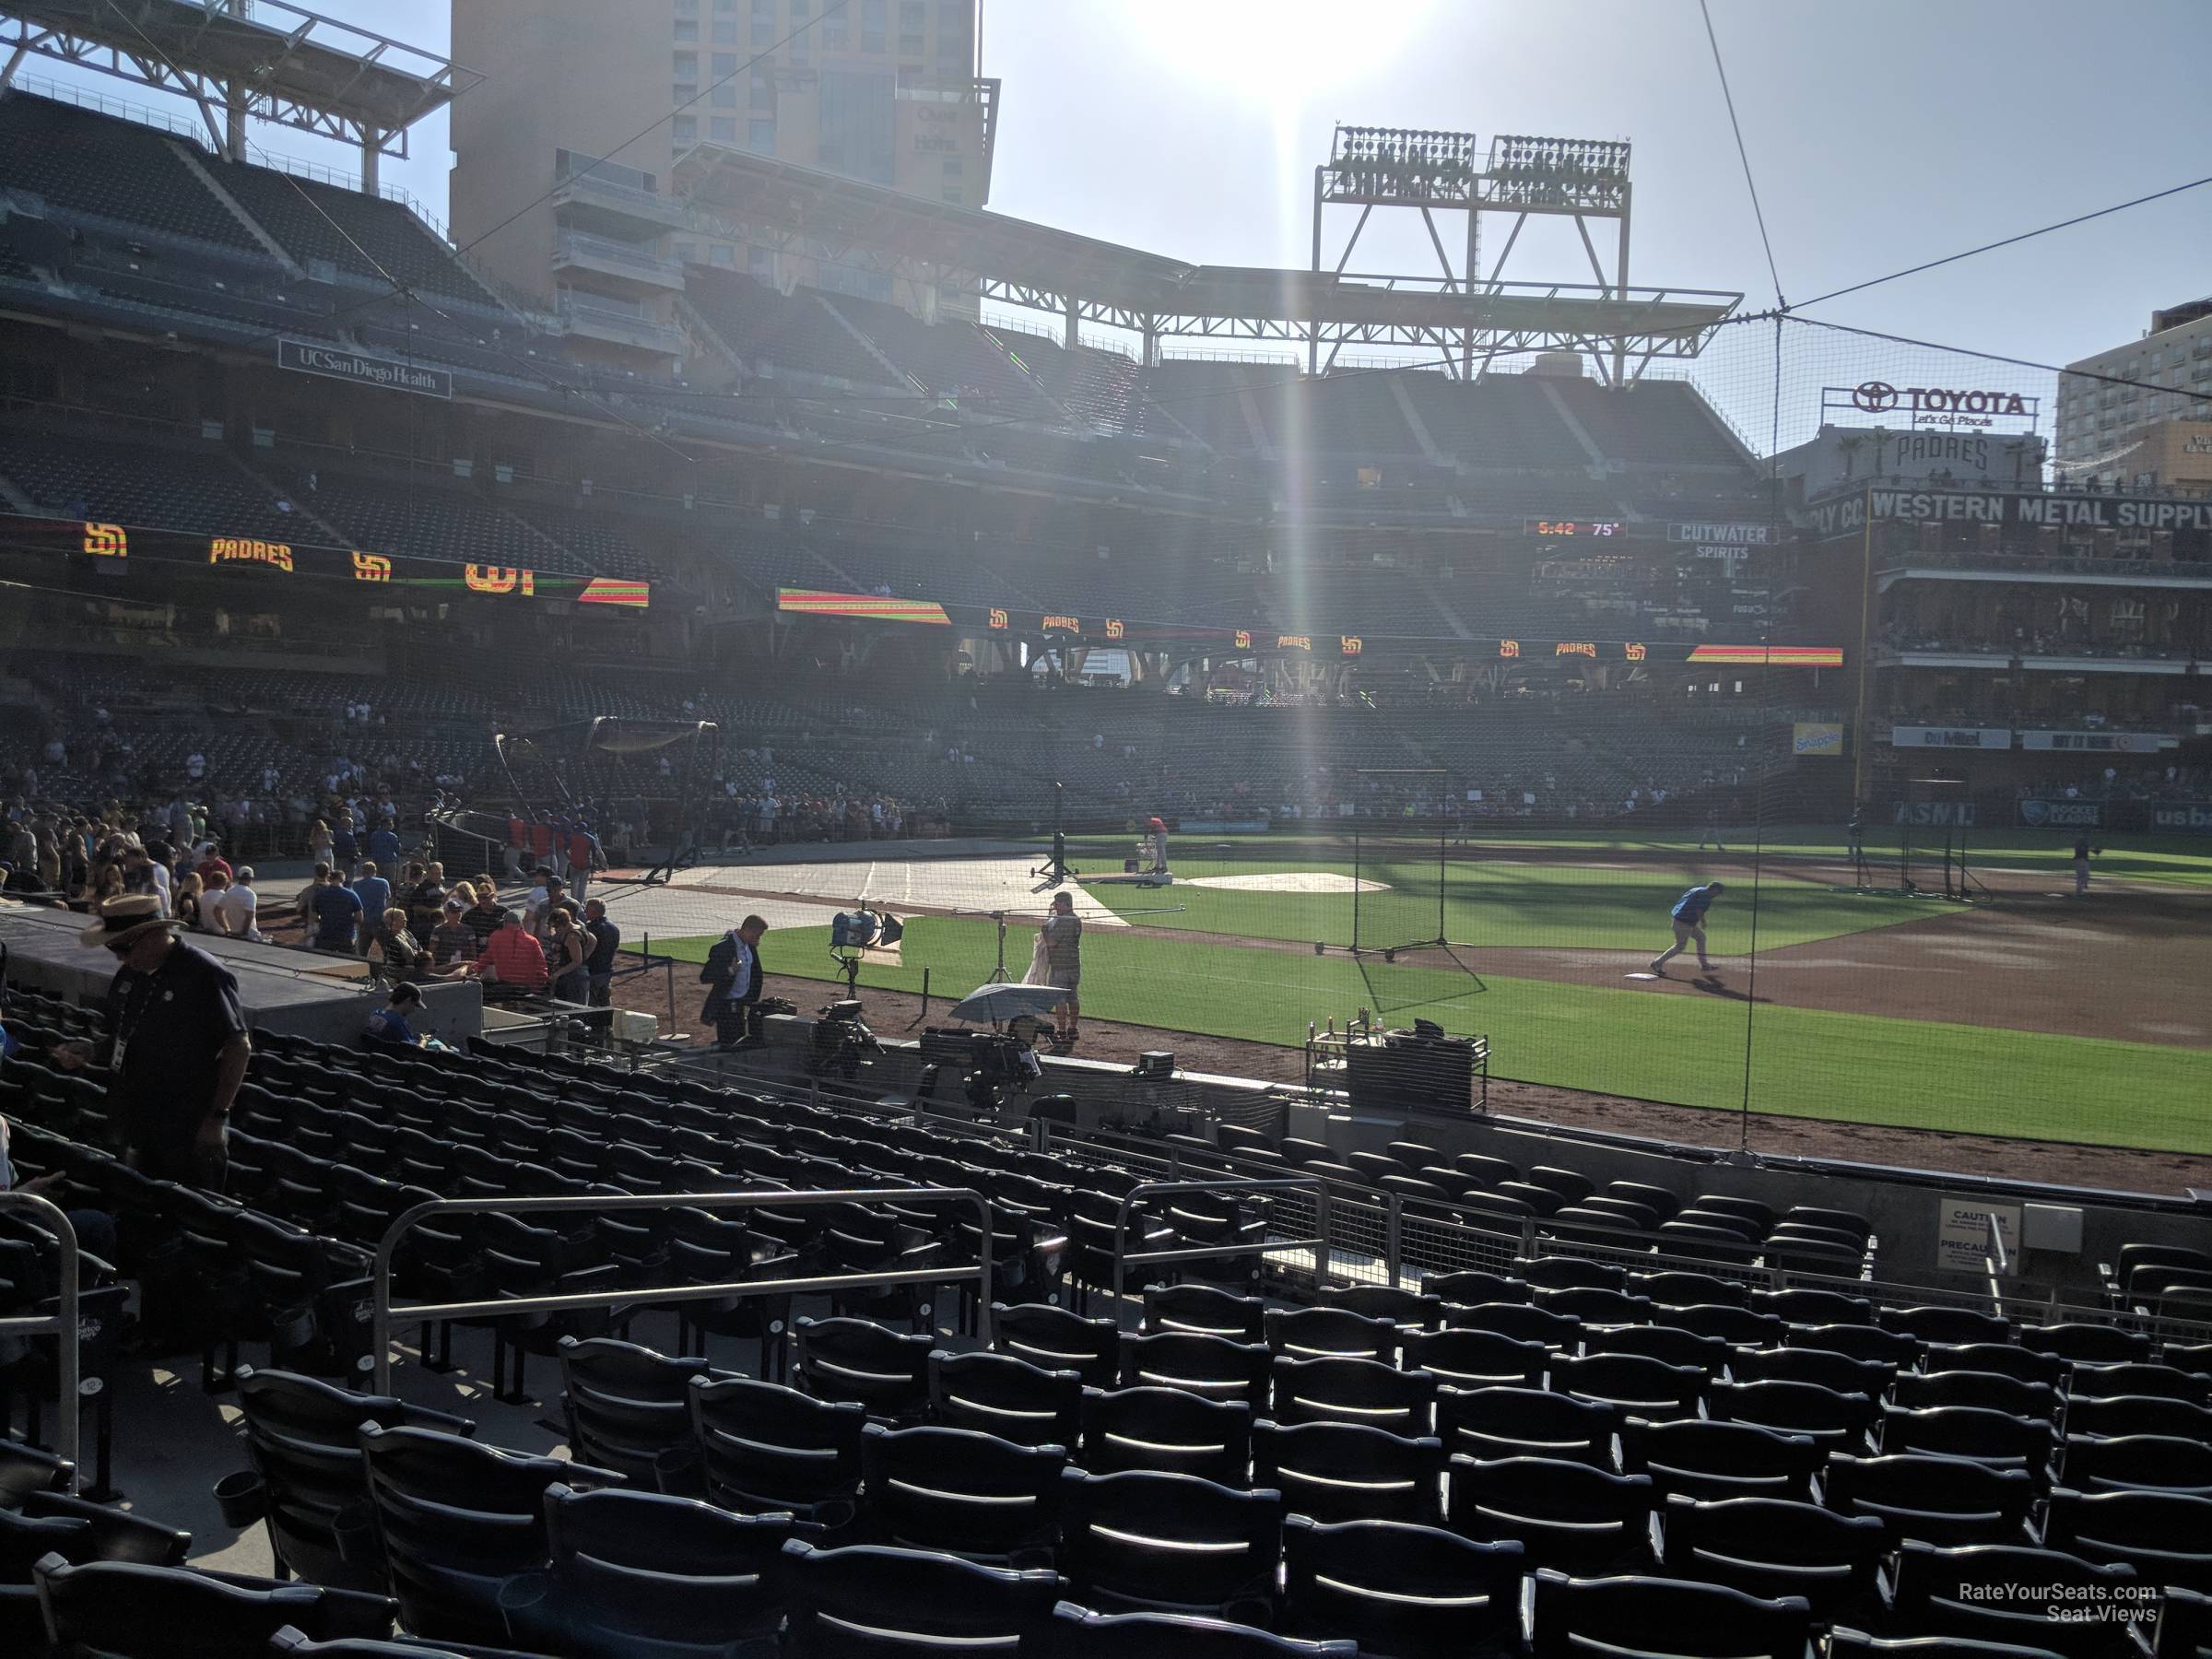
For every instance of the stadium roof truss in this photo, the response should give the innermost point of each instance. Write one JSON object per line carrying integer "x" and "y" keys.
{"x": 813, "y": 215}
{"x": 272, "y": 61}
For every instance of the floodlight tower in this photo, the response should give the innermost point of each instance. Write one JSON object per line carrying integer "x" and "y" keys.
{"x": 1432, "y": 172}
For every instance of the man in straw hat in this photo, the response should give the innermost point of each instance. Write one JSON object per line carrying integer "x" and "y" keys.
{"x": 176, "y": 1043}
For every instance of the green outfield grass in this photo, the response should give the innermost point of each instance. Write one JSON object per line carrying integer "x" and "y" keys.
{"x": 1499, "y": 901}
{"x": 1688, "y": 1049}
{"x": 2183, "y": 859}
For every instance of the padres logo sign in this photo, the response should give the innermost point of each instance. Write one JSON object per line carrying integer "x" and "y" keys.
{"x": 1509, "y": 648}
{"x": 225, "y": 549}
{"x": 1244, "y": 639}
{"x": 1349, "y": 644}
{"x": 372, "y": 567}
{"x": 1113, "y": 628}
{"x": 1635, "y": 654}
{"x": 997, "y": 618}
{"x": 107, "y": 541}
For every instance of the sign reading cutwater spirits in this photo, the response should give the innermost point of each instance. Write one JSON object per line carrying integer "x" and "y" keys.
{"x": 335, "y": 362}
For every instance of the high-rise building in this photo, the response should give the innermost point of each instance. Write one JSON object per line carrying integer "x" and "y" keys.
{"x": 565, "y": 156}
{"x": 2157, "y": 430}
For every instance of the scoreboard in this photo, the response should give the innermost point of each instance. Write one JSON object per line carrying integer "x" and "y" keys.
{"x": 1591, "y": 529}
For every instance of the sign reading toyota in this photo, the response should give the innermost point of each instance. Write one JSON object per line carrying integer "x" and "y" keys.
{"x": 1951, "y": 406}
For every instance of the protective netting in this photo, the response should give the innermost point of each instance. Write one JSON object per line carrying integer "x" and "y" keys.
{"x": 1751, "y": 620}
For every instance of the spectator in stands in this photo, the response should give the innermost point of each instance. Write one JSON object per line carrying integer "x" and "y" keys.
{"x": 145, "y": 870}
{"x": 512, "y": 958}
{"x": 187, "y": 908}
{"x": 337, "y": 911}
{"x": 344, "y": 848}
{"x": 733, "y": 969}
{"x": 518, "y": 834}
{"x": 1060, "y": 944}
{"x": 235, "y": 911}
{"x": 482, "y": 917}
{"x": 607, "y": 939}
{"x": 568, "y": 954}
{"x": 1689, "y": 916}
{"x": 584, "y": 851}
{"x": 396, "y": 948}
{"x": 21, "y": 858}
{"x": 383, "y": 846}
{"x": 319, "y": 841}
{"x": 426, "y": 899}
{"x": 176, "y": 1045}
{"x": 453, "y": 943}
{"x": 95, "y": 1229}
{"x": 213, "y": 864}
{"x": 375, "y": 894}
{"x": 389, "y": 1026}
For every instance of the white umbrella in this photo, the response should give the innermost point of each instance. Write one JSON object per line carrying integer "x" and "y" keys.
{"x": 998, "y": 1003}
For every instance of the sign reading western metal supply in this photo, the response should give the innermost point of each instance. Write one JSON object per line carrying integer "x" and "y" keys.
{"x": 2024, "y": 509}
{"x": 335, "y": 362}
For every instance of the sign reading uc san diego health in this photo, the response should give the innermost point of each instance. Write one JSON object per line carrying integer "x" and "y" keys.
{"x": 335, "y": 362}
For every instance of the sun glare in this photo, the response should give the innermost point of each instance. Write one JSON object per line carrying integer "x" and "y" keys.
{"x": 1275, "y": 52}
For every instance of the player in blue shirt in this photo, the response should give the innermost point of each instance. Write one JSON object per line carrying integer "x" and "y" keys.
{"x": 1689, "y": 923}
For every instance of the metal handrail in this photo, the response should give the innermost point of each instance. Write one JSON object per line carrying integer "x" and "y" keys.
{"x": 383, "y": 1311}
{"x": 62, "y": 1326}
{"x": 1153, "y": 1189}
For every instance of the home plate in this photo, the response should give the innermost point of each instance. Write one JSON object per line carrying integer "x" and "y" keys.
{"x": 1290, "y": 881}
{"x": 1643, "y": 974}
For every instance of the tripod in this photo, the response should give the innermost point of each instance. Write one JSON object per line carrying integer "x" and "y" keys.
{"x": 1055, "y": 869}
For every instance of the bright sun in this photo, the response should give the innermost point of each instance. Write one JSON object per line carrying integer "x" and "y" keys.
{"x": 1275, "y": 52}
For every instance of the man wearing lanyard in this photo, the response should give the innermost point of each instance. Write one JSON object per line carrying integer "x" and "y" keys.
{"x": 177, "y": 1043}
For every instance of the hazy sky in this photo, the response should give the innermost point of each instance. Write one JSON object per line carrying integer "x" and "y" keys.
{"x": 1882, "y": 133}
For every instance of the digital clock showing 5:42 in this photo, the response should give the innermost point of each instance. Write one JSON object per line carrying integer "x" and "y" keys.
{"x": 1543, "y": 526}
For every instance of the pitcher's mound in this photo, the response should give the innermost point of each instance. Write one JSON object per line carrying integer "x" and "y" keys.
{"x": 1290, "y": 881}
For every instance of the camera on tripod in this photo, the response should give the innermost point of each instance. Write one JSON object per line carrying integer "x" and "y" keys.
{"x": 839, "y": 1041}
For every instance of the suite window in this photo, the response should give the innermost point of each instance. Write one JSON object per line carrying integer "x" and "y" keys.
{"x": 761, "y": 135}
{"x": 725, "y": 31}
{"x": 764, "y": 22}
{"x": 686, "y": 29}
{"x": 724, "y": 255}
{"x": 872, "y": 15}
{"x": 725, "y": 96}
{"x": 725, "y": 129}
{"x": 687, "y": 65}
{"x": 834, "y": 35}
{"x": 684, "y": 131}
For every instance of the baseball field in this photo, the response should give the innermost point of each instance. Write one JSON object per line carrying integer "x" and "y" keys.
{"x": 2030, "y": 1012}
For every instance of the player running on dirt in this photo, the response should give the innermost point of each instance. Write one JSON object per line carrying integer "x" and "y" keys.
{"x": 1689, "y": 925}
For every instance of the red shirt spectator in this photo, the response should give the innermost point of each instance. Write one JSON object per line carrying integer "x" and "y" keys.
{"x": 214, "y": 865}
{"x": 541, "y": 840}
{"x": 512, "y": 957}
{"x": 579, "y": 850}
{"x": 517, "y": 832}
